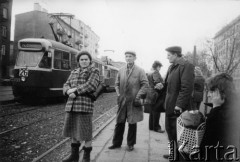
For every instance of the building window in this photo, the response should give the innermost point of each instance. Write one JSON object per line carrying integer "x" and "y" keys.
{"x": 5, "y": 13}
{"x": 3, "y": 51}
{"x": 4, "y": 31}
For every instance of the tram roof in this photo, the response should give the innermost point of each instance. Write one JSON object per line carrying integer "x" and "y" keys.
{"x": 48, "y": 42}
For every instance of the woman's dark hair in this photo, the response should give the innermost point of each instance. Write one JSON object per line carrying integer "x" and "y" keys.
{"x": 84, "y": 53}
{"x": 156, "y": 64}
{"x": 224, "y": 83}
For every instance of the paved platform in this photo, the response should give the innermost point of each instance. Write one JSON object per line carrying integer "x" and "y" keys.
{"x": 150, "y": 146}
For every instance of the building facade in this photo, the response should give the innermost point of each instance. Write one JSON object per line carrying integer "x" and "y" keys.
{"x": 5, "y": 28}
{"x": 82, "y": 36}
{"x": 227, "y": 43}
{"x": 70, "y": 31}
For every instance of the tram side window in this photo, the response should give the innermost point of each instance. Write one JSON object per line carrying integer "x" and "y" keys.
{"x": 57, "y": 59}
{"x": 107, "y": 73}
{"x": 112, "y": 73}
{"x": 73, "y": 62}
{"x": 65, "y": 61}
{"x": 46, "y": 61}
{"x": 95, "y": 64}
{"x": 61, "y": 60}
{"x": 100, "y": 69}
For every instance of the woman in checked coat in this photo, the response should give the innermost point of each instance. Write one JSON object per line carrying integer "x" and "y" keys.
{"x": 79, "y": 107}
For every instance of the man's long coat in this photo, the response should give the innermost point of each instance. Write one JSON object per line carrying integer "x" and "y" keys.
{"x": 130, "y": 87}
{"x": 179, "y": 82}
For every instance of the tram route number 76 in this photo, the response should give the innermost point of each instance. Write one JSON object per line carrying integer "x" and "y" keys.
{"x": 23, "y": 72}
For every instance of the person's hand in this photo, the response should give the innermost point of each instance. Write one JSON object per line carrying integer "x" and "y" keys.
{"x": 72, "y": 90}
{"x": 159, "y": 86}
{"x": 217, "y": 100}
{"x": 72, "y": 95}
{"x": 137, "y": 102}
{"x": 177, "y": 110}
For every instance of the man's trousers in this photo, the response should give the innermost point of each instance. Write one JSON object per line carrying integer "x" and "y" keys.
{"x": 119, "y": 131}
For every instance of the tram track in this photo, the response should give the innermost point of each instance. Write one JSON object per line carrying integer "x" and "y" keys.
{"x": 36, "y": 134}
{"x": 97, "y": 130}
{"x": 16, "y": 128}
{"x": 17, "y": 108}
{"x": 41, "y": 119}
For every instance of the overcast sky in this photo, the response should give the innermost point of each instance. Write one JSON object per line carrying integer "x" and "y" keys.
{"x": 146, "y": 26}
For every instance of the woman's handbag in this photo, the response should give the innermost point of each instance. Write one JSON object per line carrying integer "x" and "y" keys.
{"x": 94, "y": 95}
{"x": 189, "y": 139}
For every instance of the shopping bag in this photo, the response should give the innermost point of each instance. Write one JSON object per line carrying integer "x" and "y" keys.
{"x": 189, "y": 139}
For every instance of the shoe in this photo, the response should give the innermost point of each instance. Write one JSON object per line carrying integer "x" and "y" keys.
{"x": 166, "y": 156}
{"x": 86, "y": 155}
{"x": 130, "y": 148}
{"x": 114, "y": 147}
{"x": 159, "y": 130}
{"x": 74, "y": 156}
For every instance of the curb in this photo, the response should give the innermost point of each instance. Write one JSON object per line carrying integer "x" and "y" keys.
{"x": 7, "y": 102}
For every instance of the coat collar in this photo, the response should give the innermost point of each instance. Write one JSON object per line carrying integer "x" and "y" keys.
{"x": 180, "y": 61}
{"x": 83, "y": 70}
{"x": 131, "y": 70}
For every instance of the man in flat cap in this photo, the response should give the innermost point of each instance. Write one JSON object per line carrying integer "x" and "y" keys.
{"x": 179, "y": 84}
{"x": 130, "y": 85}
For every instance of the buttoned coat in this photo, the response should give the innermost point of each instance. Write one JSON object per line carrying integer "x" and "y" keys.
{"x": 152, "y": 94}
{"x": 130, "y": 87}
{"x": 179, "y": 82}
{"x": 85, "y": 80}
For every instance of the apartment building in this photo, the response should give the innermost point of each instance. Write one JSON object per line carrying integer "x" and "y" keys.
{"x": 56, "y": 26}
{"x": 5, "y": 28}
{"x": 225, "y": 40}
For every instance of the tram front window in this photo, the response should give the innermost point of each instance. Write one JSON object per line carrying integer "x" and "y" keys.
{"x": 28, "y": 58}
{"x": 45, "y": 62}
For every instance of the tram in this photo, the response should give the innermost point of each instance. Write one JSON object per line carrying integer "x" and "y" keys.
{"x": 43, "y": 66}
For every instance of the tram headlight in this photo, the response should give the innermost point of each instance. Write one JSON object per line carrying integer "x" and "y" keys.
{"x": 23, "y": 79}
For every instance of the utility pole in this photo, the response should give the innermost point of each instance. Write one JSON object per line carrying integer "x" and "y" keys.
{"x": 194, "y": 55}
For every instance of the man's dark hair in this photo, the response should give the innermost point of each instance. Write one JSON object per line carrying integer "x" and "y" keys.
{"x": 156, "y": 64}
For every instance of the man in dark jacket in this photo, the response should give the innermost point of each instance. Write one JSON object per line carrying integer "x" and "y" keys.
{"x": 179, "y": 85}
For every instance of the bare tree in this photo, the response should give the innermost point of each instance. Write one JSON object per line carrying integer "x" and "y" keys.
{"x": 202, "y": 59}
{"x": 228, "y": 60}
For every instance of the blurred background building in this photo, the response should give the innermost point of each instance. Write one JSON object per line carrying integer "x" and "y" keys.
{"x": 227, "y": 45}
{"x": 5, "y": 28}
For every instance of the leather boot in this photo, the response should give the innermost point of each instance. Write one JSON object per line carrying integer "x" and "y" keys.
{"x": 74, "y": 156}
{"x": 86, "y": 155}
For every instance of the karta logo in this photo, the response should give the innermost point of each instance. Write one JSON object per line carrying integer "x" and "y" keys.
{"x": 208, "y": 153}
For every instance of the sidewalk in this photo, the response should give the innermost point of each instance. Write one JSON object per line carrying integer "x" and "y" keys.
{"x": 150, "y": 146}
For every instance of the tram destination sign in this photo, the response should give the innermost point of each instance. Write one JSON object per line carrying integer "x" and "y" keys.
{"x": 31, "y": 45}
